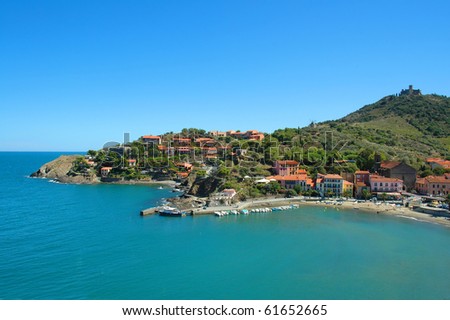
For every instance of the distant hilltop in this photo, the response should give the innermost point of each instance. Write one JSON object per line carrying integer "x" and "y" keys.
{"x": 410, "y": 92}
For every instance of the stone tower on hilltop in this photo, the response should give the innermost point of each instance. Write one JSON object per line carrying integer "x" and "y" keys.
{"x": 410, "y": 92}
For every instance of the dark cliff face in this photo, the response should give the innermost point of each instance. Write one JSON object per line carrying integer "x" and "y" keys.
{"x": 203, "y": 187}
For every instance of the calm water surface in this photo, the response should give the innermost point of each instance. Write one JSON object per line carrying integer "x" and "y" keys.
{"x": 88, "y": 242}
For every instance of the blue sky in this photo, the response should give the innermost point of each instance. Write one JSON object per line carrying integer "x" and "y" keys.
{"x": 76, "y": 74}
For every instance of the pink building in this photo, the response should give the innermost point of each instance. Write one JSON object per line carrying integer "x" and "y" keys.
{"x": 290, "y": 181}
{"x": 380, "y": 184}
{"x": 433, "y": 185}
{"x": 285, "y": 167}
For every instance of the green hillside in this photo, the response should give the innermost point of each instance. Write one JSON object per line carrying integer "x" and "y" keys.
{"x": 406, "y": 127}
{"x": 428, "y": 114}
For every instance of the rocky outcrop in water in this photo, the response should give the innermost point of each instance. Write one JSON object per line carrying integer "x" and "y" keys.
{"x": 59, "y": 169}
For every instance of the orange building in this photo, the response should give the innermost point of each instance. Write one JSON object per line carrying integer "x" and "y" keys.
{"x": 151, "y": 139}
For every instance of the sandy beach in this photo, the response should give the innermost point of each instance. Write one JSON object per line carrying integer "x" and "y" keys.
{"x": 169, "y": 183}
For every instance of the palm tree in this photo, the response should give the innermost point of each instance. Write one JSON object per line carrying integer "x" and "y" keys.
{"x": 366, "y": 194}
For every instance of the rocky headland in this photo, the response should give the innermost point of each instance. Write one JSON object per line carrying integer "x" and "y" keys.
{"x": 60, "y": 170}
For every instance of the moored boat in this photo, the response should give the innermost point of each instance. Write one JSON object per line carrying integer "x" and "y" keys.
{"x": 171, "y": 212}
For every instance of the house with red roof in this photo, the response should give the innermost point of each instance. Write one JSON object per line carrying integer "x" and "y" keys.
{"x": 438, "y": 163}
{"x": 291, "y": 181}
{"x": 170, "y": 151}
{"x": 181, "y": 141}
{"x": 361, "y": 182}
{"x": 105, "y": 171}
{"x": 330, "y": 184}
{"x": 131, "y": 162}
{"x": 433, "y": 185}
{"x": 151, "y": 139}
{"x": 390, "y": 186}
{"x": 285, "y": 167}
{"x": 398, "y": 170}
{"x": 256, "y": 137}
{"x": 202, "y": 142}
{"x": 183, "y": 149}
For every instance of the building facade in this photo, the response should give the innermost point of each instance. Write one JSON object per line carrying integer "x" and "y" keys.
{"x": 285, "y": 167}
{"x": 330, "y": 185}
{"x": 380, "y": 184}
{"x": 399, "y": 170}
{"x": 433, "y": 185}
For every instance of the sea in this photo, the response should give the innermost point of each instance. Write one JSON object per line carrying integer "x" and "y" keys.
{"x": 61, "y": 241}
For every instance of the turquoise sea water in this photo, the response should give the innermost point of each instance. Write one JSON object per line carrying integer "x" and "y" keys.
{"x": 88, "y": 242}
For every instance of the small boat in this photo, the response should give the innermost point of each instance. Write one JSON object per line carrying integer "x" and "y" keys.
{"x": 160, "y": 188}
{"x": 176, "y": 190}
{"x": 171, "y": 212}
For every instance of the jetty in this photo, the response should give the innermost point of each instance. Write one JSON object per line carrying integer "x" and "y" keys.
{"x": 150, "y": 211}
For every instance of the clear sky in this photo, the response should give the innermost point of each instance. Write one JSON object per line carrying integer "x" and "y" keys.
{"x": 76, "y": 74}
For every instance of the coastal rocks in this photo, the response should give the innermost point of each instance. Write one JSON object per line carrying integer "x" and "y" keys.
{"x": 203, "y": 187}
{"x": 59, "y": 168}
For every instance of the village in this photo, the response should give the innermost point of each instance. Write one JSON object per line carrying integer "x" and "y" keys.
{"x": 196, "y": 157}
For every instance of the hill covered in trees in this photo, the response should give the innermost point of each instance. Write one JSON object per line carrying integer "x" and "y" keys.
{"x": 407, "y": 127}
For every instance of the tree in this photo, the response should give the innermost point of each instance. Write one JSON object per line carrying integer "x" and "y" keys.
{"x": 298, "y": 188}
{"x": 438, "y": 171}
{"x": 92, "y": 153}
{"x": 330, "y": 193}
{"x": 366, "y": 194}
{"x": 426, "y": 173}
{"x": 291, "y": 193}
{"x": 223, "y": 171}
{"x": 383, "y": 196}
{"x": 272, "y": 187}
{"x": 348, "y": 193}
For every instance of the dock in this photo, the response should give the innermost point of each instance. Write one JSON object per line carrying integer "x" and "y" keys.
{"x": 149, "y": 211}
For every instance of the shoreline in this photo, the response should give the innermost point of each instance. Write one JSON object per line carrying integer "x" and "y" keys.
{"x": 367, "y": 207}
{"x": 364, "y": 207}
{"x": 170, "y": 183}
